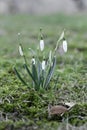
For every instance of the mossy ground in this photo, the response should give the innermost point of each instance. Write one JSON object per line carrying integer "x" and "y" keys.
{"x": 21, "y": 108}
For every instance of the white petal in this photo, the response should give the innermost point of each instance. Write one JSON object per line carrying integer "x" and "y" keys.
{"x": 21, "y": 51}
{"x": 43, "y": 65}
{"x": 41, "y": 45}
{"x": 65, "y": 45}
{"x": 33, "y": 61}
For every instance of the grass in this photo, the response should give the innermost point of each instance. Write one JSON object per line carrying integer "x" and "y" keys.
{"x": 21, "y": 108}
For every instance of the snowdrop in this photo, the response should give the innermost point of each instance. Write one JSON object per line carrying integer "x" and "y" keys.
{"x": 43, "y": 64}
{"x": 64, "y": 45}
{"x": 41, "y": 70}
{"x": 41, "y": 44}
{"x": 33, "y": 60}
{"x": 20, "y": 50}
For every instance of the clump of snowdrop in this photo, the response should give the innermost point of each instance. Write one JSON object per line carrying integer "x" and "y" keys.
{"x": 40, "y": 70}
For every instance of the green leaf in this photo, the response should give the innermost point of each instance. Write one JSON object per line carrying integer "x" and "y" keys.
{"x": 35, "y": 75}
{"x": 34, "y": 72}
{"x": 42, "y": 77}
{"x": 39, "y": 69}
{"x": 21, "y": 79}
{"x": 30, "y": 74}
{"x": 50, "y": 73}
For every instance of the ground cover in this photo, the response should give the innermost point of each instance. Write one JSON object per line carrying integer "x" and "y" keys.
{"x": 21, "y": 108}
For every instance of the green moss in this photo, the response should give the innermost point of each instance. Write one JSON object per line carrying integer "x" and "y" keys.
{"x": 24, "y": 108}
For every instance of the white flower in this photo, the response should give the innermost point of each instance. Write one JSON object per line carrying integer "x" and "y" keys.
{"x": 19, "y": 34}
{"x": 65, "y": 45}
{"x": 43, "y": 64}
{"x": 20, "y": 50}
{"x": 41, "y": 44}
{"x": 33, "y": 61}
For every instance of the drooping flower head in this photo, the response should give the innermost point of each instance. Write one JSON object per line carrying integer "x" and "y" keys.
{"x": 21, "y": 50}
{"x": 64, "y": 45}
{"x": 41, "y": 44}
{"x": 43, "y": 64}
{"x": 41, "y": 41}
{"x": 33, "y": 60}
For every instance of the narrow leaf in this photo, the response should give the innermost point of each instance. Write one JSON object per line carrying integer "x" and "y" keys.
{"x": 43, "y": 77}
{"x": 30, "y": 74}
{"x": 50, "y": 73}
{"x": 35, "y": 74}
{"x": 21, "y": 79}
{"x": 39, "y": 70}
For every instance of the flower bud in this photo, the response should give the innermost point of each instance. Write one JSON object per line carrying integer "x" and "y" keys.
{"x": 65, "y": 45}
{"x": 20, "y": 50}
{"x": 41, "y": 44}
{"x": 33, "y": 61}
{"x": 43, "y": 64}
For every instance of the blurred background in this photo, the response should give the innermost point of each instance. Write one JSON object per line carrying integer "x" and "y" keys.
{"x": 42, "y": 6}
{"x": 27, "y": 16}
